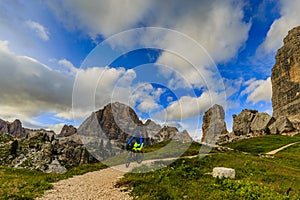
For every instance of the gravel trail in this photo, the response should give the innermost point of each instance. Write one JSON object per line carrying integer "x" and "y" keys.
{"x": 95, "y": 185}
{"x": 280, "y": 149}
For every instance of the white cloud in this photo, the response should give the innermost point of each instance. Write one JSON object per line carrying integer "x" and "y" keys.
{"x": 216, "y": 25}
{"x": 95, "y": 87}
{"x": 290, "y": 18}
{"x": 39, "y": 29}
{"x": 145, "y": 97}
{"x": 188, "y": 107}
{"x": 258, "y": 90}
{"x": 29, "y": 88}
{"x": 148, "y": 105}
{"x": 4, "y": 46}
{"x": 169, "y": 99}
{"x": 104, "y": 17}
{"x": 68, "y": 67}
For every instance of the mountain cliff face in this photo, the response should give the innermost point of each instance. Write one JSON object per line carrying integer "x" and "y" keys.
{"x": 105, "y": 132}
{"x": 286, "y": 78}
{"x": 213, "y": 124}
{"x": 117, "y": 122}
{"x": 15, "y": 128}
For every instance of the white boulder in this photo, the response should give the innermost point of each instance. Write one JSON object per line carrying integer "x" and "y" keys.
{"x": 223, "y": 172}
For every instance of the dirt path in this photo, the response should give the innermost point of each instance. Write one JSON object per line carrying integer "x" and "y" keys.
{"x": 96, "y": 185}
{"x": 280, "y": 149}
{"x": 93, "y": 185}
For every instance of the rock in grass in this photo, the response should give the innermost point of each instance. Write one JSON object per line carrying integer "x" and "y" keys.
{"x": 56, "y": 167}
{"x": 223, "y": 172}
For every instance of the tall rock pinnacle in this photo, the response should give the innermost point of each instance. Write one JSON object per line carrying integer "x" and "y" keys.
{"x": 286, "y": 78}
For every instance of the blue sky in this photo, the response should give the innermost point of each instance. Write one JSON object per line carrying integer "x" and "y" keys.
{"x": 54, "y": 70}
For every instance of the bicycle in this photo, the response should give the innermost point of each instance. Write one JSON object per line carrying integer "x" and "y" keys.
{"x": 137, "y": 156}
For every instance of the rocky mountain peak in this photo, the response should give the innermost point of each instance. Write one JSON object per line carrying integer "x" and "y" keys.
{"x": 67, "y": 130}
{"x": 286, "y": 78}
{"x": 15, "y": 128}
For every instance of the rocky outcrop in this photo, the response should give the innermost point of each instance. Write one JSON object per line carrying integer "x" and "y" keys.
{"x": 116, "y": 122}
{"x": 251, "y": 123}
{"x": 286, "y": 78}
{"x": 67, "y": 131}
{"x": 242, "y": 122}
{"x": 15, "y": 128}
{"x": 213, "y": 124}
{"x": 107, "y": 130}
{"x": 43, "y": 151}
{"x": 261, "y": 123}
{"x": 282, "y": 126}
{"x": 183, "y": 137}
{"x": 248, "y": 124}
{"x": 99, "y": 137}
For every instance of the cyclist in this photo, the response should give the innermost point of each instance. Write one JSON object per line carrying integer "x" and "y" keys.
{"x": 138, "y": 145}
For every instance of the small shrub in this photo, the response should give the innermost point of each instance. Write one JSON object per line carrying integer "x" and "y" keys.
{"x": 14, "y": 148}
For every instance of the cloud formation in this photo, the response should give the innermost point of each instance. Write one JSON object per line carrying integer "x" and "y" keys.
{"x": 188, "y": 107}
{"x": 216, "y": 25}
{"x": 258, "y": 90}
{"x": 67, "y": 67}
{"x": 290, "y": 17}
{"x": 95, "y": 17}
{"x": 30, "y": 88}
{"x": 39, "y": 29}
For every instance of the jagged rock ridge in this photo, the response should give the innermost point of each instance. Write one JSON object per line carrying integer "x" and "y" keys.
{"x": 109, "y": 128}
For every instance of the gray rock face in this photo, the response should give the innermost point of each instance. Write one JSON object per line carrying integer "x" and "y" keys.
{"x": 56, "y": 168}
{"x": 286, "y": 78}
{"x": 223, "y": 172}
{"x": 99, "y": 137}
{"x": 117, "y": 122}
{"x": 183, "y": 137}
{"x": 15, "y": 128}
{"x": 260, "y": 123}
{"x": 281, "y": 126}
{"x": 213, "y": 124}
{"x": 242, "y": 122}
{"x": 43, "y": 151}
{"x": 107, "y": 130}
{"x": 67, "y": 130}
{"x": 248, "y": 124}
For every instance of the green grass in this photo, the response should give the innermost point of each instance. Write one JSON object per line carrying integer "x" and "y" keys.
{"x": 262, "y": 144}
{"x": 256, "y": 177}
{"x": 29, "y": 184}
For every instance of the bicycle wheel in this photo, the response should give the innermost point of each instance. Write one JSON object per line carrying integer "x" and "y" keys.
{"x": 139, "y": 157}
{"x": 129, "y": 158}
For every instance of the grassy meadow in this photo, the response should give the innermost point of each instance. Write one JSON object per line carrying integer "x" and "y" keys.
{"x": 257, "y": 177}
